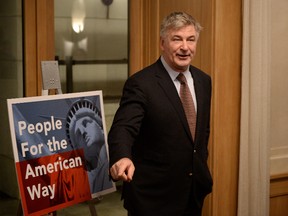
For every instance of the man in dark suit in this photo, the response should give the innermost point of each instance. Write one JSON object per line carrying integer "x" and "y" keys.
{"x": 152, "y": 148}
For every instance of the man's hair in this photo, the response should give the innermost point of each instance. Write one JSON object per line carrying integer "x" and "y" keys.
{"x": 177, "y": 20}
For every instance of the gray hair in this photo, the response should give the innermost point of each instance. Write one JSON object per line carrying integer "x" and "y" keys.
{"x": 177, "y": 20}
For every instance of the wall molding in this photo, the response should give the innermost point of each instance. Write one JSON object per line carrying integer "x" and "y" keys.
{"x": 278, "y": 160}
{"x": 279, "y": 185}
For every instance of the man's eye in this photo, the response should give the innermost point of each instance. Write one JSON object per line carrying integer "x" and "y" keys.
{"x": 176, "y": 39}
{"x": 192, "y": 39}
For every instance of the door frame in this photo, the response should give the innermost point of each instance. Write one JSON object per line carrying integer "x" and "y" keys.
{"x": 38, "y": 16}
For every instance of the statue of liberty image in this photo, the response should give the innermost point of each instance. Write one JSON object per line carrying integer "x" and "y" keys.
{"x": 84, "y": 128}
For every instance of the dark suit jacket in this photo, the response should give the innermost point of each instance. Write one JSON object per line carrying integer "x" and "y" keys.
{"x": 151, "y": 129}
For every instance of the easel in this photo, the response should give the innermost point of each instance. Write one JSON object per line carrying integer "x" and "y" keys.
{"x": 51, "y": 83}
{"x": 50, "y": 77}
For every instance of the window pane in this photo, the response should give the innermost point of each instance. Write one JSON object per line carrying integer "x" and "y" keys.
{"x": 94, "y": 37}
{"x": 11, "y": 85}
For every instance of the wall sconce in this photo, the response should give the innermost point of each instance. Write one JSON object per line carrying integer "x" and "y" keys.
{"x": 107, "y": 3}
{"x": 78, "y": 16}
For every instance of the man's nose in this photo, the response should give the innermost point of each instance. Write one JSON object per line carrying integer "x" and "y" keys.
{"x": 184, "y": 45}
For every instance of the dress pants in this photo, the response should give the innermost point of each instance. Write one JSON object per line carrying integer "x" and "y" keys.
{"x": 192, "y": 209}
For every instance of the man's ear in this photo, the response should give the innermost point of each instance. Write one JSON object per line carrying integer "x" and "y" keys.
{"x": 161, "y": 43}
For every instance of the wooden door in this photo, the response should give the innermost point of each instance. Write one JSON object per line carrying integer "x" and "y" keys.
{"x": 218, "y": 54}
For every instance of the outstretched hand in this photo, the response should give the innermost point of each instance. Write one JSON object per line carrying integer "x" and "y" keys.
{"x": 122, "y": 170}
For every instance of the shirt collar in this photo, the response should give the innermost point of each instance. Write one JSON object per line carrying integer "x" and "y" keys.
{"x": 173, "y": 74}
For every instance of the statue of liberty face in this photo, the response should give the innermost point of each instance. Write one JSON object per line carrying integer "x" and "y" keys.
{"x": 89, "y": 136}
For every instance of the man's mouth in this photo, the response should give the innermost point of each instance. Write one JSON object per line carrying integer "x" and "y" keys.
{"x": 183, "y": 55}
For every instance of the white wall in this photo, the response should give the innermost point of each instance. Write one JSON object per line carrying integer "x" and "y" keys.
{"x": 279, "y": 87}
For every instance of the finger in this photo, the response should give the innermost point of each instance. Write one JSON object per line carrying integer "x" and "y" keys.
{"x": 124, "y": 177}
{"x": 130, "y": 172}
{"x": 122, "y": 170}
{"x": 117, "y": 172}
{"x": 114, "y": 172}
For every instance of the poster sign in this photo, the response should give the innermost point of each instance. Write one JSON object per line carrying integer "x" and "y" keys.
{"x": 60, "y": 150}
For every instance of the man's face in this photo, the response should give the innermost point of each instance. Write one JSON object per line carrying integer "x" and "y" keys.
{"x": 179, "y": 47}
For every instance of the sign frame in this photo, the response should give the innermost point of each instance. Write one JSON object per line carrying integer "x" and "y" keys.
{"x": 48, "y": 130}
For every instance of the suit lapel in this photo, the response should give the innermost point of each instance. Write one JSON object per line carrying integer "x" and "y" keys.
{"x": 199, "y": 97}
{"x": 170, "y": 90}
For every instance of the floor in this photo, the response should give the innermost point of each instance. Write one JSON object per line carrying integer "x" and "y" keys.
{"x": 110, "y": 205}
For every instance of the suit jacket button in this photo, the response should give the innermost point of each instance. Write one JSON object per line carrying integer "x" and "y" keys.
{"x": 190, "y": 174}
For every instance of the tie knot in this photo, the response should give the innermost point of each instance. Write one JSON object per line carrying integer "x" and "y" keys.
{"x": 181, "y": 78}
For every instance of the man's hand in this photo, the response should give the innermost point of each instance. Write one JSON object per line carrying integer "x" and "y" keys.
{"x": 122, "y": 170}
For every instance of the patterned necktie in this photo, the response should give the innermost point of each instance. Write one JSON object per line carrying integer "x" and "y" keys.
{"x": 188, "y": 104}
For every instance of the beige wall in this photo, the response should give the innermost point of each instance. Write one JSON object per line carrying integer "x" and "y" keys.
{"x": 279, "y": 87}
{"x": 11, "y": 86}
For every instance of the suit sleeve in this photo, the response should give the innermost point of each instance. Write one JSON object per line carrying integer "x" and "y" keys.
{"x": 127, "y": 121}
